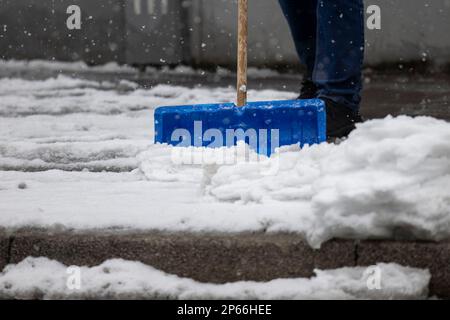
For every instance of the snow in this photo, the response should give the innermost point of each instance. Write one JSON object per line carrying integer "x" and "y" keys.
{"x": 390, "y": 176}
{"x": 41, "y": 278}
{"x": 65, "y": 95}
{"x": 84, "y": 151}
{"x": 15, "y": 66}
{"x": 18, "y": 65}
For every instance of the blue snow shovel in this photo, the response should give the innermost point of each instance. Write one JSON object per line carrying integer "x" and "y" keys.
{"x": 264, "y": 126}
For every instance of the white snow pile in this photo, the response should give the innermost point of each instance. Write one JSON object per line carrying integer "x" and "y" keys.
{"x": 41, "y": 278}
{"x": 389, "y": 179}
{"x": 391, "y": 176}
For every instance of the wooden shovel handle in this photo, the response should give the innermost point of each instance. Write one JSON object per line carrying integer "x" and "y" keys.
{"x": 242, "y": 53}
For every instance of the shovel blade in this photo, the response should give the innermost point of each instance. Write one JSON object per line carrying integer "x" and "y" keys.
{"x": 265, "y": 126}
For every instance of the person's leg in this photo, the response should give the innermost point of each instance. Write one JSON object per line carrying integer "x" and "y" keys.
{"x": 339, "y": 51}
{"x": 302, "y": 19}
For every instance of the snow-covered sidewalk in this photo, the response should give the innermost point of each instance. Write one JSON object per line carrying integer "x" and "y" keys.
{"x": 41, "y": 278}
{"x": 79, "y": 154}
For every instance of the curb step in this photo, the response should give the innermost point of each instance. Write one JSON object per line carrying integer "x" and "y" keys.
{"x": 221, "y": 258}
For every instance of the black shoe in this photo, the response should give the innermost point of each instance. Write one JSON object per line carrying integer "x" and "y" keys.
{"x": 308, "y": 90}
{"x": 340, "y": 120}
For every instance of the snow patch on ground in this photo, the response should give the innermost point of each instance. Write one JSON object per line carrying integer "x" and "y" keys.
{"x": 391, "y": 176}
{"x": 127, "y": 200}
{"x": 16, "y": 66}
{"x": 66, "y": 95}
{"x": 74, "y": 124}
{"x": 41, "y": 278}
{"x": 389, "y": 179}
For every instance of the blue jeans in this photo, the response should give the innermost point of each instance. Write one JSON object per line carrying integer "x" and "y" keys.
{"x": 329, "y": 37}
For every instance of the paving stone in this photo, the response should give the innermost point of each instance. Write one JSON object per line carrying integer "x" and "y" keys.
{"x": 204, "y": 257}
{"x": 4, "y": 249}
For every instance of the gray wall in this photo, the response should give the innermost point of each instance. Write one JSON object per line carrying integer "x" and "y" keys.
{"x": 36, "y": 29}
{"x": 203, "y": 32}
{"x": 155, "y": 32}
{"x": 409, "y": 29}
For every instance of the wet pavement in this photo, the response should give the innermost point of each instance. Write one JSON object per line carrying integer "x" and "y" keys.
{"x": 384, "y": 93}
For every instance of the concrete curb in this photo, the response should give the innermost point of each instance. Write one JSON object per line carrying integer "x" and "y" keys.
{"x": 221, "y": 258}
{"x": 4, "y": 249}
{"x": 215, "y": 258}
